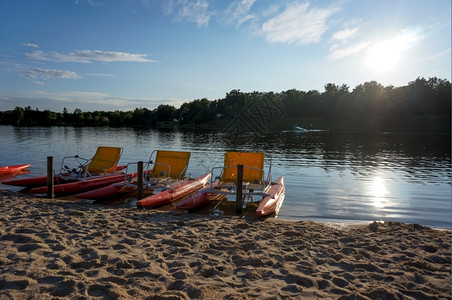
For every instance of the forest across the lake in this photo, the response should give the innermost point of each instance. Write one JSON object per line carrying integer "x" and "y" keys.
{"x": 422, "y": 106}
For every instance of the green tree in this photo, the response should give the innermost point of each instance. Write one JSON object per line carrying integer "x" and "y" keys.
{"x": 165, "y": 112}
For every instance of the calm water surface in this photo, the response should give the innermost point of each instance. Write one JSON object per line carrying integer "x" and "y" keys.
{"x": 329, "y": 176}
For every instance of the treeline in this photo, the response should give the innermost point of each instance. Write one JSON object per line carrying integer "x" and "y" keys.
{"x": 421, "y": 97}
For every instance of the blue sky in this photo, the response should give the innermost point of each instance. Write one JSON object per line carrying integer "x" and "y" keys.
{"x": 125, "y": 54}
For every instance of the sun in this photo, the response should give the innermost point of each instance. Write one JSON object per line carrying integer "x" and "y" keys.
{"x": 387, "y": 55}
{"x": 384, "y": 56}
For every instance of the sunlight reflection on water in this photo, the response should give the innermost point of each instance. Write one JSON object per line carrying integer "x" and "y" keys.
{"x": 378, "y": 191}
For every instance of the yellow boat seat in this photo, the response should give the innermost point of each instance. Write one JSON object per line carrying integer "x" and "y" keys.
{"x": 105, "y": 160}
{"x": 172, "y": 164}
{"x": 253, "y": 166}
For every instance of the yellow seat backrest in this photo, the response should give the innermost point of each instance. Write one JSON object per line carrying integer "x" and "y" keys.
{"x": 177, "y": 160}
{"x": 105, "y": 160}
{"x": 253, "y": 166}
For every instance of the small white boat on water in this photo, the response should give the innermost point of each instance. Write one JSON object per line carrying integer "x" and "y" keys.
{"x": 301, "y": 129}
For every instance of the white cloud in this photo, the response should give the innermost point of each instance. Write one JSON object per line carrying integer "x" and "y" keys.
{"x": 93, "y": 100}
{"x": 435, "y": 56}
{"x": 407, "y": 38}
{"x": 345, "y": 34}
{"x": 238, "y": 12}
{"x": 88, "y": 56}
{"x": 68, "y": 96}
{"x": 196, "y": 11}
{"x": 90, "y": 2}
{"x": 37, "y": 82}
{"x": 339, "y": 53}
{"x": 47, "y": 73}
{"x": 297, "y": 24}
{"x": 30, "y": 45}
{"x": 99, "y": 75}
{"x": 399, "y": 42}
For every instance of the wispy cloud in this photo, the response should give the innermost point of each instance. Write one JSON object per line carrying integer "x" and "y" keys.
{"x": 195, "y": 11}
{"x": 88, "y": 56}
{"x": 298, "y": 23}
{"x": 345, "y": 34}
{"x": 348, "y": 50}
{"x": 436, "y": 55}
{"x": 238, "y": 12}
{"x": 348, "y": 43}
{"x": 99, "y": 75}
{"x": 68, "y": 96}
{"x": 90, "y": 2}
{"x": 31, "y": 45}
{"x": 37, "y": 73}
{"x": 94, "y": 100}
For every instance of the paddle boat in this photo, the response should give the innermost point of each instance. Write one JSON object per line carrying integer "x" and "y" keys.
{"x": 253, "y": 184}
{"x": 165, "y": 181}
{"x": 101, "y": 170}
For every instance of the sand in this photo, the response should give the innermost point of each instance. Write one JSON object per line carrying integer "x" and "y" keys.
{"x": 52, "y": 249}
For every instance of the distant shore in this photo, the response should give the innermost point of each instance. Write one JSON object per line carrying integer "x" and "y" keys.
{"x": 409, "y": 125}
{"x": 54, "y": 248}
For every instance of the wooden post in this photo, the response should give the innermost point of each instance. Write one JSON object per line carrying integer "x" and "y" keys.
{"x": 239, "y": 186}
{"x": 50, "y": 182}
{"x": 140, "y": 180}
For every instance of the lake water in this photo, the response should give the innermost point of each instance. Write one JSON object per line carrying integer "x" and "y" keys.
{"x": 336, "y": 177}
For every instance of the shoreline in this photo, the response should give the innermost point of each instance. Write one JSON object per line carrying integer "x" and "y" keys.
{"x": 57, "y": 248}
{"x": 335, "y": 222}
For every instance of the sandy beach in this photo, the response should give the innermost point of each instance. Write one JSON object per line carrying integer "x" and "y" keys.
{"x": 52, "y": 249}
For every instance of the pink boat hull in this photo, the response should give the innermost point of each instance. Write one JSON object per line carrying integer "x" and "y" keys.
{"x": 177, "y": 192}
{"x": 272, "y": 204}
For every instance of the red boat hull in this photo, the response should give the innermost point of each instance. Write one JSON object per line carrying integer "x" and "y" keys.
{"x": 81, "y": 186}
{"x": 114, "y": 190}
{"x": 111, "y": 191}
{"x": 32, "y": 181}
{"x": 199, "y": 199}
{"x": 177, "y": 192}
{"x": 40, "y": 181}
{"x": 13, "y": 169}
{"x": 272, "y": 204}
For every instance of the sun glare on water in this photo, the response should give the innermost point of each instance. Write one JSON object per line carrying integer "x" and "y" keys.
{"x": 378, "y": 192}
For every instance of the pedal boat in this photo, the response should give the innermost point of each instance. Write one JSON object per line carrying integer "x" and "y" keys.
{"x": 272, "y": 193}
{"x": 100, "y": 170}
